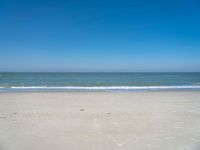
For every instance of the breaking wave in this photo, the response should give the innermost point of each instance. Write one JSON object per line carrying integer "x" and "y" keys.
{"x": 39, "y": 88}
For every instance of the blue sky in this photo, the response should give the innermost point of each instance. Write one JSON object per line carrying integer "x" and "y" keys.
{"x": 106, "y": 35}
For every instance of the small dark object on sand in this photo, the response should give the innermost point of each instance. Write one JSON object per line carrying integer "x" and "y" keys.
{"x": 82, "y": 109}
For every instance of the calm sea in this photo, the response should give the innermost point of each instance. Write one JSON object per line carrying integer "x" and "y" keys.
{"x": 98, "y": 81}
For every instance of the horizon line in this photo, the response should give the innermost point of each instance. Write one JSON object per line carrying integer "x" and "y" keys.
{"x": 99, "y": 71}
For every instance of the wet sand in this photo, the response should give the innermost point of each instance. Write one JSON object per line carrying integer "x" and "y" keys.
{"x": 100, "y": 120}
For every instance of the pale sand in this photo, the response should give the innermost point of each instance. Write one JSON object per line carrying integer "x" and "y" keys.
{"x": 100, "y": 121}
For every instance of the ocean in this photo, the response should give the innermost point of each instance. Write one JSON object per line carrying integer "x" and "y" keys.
{"x": 98, "y": 81}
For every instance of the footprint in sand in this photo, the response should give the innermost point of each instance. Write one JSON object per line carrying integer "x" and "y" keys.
{"x": 3, "y": 117}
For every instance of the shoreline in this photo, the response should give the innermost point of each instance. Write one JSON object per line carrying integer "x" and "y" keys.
{"x": 105, "y": 91}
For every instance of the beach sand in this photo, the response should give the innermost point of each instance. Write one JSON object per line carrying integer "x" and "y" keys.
{"x": 168, "y": 120}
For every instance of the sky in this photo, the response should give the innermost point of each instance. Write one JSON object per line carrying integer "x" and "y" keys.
{"x": 100, "y": 35}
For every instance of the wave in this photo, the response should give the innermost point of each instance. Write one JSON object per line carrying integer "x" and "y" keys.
{"x": 100, "y": 87}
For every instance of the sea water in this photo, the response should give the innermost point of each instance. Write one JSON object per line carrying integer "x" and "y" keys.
{"x": 98, "y": 81}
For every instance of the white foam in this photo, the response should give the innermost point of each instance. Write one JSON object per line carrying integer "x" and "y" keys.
{"x": 103, "y": 87}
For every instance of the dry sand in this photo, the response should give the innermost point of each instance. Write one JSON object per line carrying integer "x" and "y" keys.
{"x": 100, "y": 121}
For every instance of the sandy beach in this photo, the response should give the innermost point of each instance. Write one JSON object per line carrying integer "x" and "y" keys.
{"x": 100, "y": 120}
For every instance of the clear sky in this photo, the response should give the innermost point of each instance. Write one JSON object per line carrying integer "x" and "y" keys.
{"x": 100, "y": 35}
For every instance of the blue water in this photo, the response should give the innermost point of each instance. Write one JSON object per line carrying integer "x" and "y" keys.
{"x": 98, "y": 81}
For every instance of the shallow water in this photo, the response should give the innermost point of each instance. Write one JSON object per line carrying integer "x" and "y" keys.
{"x": 98, "y": 81}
